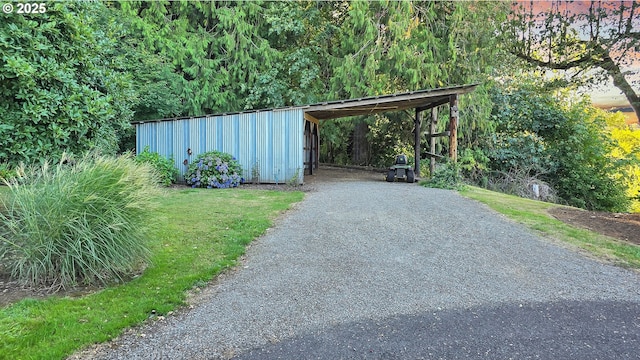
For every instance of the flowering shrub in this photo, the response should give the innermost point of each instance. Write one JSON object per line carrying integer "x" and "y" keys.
{"x": 214, "y": 169}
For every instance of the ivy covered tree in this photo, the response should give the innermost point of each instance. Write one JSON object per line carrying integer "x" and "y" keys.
{"x": 57, "y": 90}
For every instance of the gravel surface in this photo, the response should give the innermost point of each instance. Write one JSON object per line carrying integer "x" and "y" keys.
{"x": 357, "y": 257}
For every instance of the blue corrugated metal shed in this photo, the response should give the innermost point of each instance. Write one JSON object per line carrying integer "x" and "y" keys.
{"x": 279, "y": 144}
{"x": 269, "y": 141}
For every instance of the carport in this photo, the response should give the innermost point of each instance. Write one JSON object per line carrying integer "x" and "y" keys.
{"x": 420, "y": 101}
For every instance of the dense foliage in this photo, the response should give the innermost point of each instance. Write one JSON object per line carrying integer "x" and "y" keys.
{"x": 214, "y": 169}
{"x": 446, "y": 176}
{"x": 81, "y": 221}
{"x": 627, "y": 155}
{"x": 560, "y": 140}
{"x": 58, "y": 92}
{"x": 164, "y": 168}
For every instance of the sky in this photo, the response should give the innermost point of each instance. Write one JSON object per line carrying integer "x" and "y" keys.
{"x": 605, "y": 95}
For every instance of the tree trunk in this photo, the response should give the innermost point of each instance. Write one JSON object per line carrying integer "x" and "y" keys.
{"x": 621, "y": 83}
{"x": 360, "y": 144}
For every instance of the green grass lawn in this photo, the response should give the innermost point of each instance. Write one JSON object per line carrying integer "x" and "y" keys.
{"x": 197, "y": 234}
{"x": 534, "y": 215}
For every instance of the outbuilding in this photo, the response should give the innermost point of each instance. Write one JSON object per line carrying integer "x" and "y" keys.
{"x": 281, "y": 145}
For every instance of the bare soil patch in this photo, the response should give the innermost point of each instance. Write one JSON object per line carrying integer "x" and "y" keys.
{"x": 621, "y": 226}
{"x": 12, "y": 291}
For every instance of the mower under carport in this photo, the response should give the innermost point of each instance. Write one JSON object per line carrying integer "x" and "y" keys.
{"x": 401, "y": 170}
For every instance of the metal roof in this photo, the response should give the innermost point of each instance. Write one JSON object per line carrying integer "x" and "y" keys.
{"x": 421, "y": 99}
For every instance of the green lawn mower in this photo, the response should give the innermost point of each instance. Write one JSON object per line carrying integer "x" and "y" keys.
{"x": 401, "y": 170}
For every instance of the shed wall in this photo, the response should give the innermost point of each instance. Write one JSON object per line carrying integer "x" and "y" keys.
{"x": 271, "y": 142}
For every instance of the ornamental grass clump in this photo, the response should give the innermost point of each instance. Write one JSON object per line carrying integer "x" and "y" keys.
{"x": 79, "y": 222}
{"x": 214, "y": 169}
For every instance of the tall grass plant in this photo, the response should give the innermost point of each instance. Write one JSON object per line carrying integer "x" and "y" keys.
{"x": 195, "y": 239}
{"x": 81, "y": 221}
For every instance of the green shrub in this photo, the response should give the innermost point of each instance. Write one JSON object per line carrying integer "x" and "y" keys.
{"x": 446, "y": 176}
{"x": 563, "y": 141}
{"x": 79, "y": 222}
{"x": 6, "y": 173}
{"x": 473, "y": 163}
{"x": 167, "y": 172}
{"x": 214, "y": 169}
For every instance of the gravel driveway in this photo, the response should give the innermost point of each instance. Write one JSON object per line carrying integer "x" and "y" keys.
{"x": 368, "y": 269}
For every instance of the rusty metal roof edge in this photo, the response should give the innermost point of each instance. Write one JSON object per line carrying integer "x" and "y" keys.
{"x": 464, "y": 89}
{"x": 218, "y": 114}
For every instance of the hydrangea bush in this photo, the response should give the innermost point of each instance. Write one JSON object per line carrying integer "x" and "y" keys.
{"x": 214, "y": 169}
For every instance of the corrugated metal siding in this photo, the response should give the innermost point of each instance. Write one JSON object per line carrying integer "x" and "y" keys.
{"x": 268, "y": 142}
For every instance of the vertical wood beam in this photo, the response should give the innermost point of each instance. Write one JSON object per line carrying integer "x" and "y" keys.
{"x": 308, "y": 146}
{"x": 416, "y": 147}
{"x": 432, "y": 140}
{"x": 316, "y": 142}
{"x": 311, "y": 153}
{"x": 453, "y": 127}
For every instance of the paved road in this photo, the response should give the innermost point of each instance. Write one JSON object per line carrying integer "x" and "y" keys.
{"x": 372, "y": 270}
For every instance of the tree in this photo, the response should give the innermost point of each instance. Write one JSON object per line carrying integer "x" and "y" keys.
{"x": 561, "y": 140}
{"x": 381, "y": 48}
{"x": 627, "y": 154}
{"x": 57, "y": 90}
{"x": 599, "y": 39}
{"x": 295, "y": 76}
{"x": 216, "y": 49}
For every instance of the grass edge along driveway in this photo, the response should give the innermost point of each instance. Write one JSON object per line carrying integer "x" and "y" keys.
{"x": 533, "y": 214}
{"x": 198, "y": 233}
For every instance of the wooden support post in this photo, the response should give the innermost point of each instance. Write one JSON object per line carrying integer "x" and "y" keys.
{"x": 453, "y": 127}
{"x": 311, "y": 152}
{"x": 416, "y": 133}
{"x": 316, "y": 142}
{"x": 432, "y": 140}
